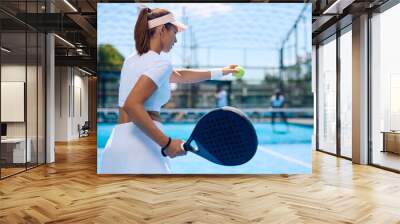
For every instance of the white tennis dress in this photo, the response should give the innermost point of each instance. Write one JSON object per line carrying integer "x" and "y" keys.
{"x": 128, "y": 149}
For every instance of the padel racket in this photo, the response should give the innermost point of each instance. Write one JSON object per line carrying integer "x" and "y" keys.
{"x": 224, "y": 136}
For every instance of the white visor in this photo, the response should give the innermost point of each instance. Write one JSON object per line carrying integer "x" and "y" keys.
{"x": 169, "y": 18}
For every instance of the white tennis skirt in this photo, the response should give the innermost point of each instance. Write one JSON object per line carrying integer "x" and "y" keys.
{"x": 131, "y": 151}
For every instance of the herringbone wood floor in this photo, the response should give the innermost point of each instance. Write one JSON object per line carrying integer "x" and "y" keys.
{"x": 70, "y": 191}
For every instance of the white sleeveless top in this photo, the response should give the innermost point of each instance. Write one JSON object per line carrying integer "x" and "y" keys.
{"x": 154, "y": 66}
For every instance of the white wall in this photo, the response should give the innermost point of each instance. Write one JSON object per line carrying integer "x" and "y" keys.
{"x": 17, "y": 73}
{"x": 61, "y": 103}
{"x": 71, "y": 87}
{"x": 33, "y": 127}
{"x": 81, "y": 100}
{"x": 14, "y": 73}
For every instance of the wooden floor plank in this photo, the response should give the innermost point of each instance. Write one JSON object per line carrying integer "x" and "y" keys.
{"x": 70, "y": 191}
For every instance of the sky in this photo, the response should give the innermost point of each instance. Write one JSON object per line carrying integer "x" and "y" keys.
{"x": 249, "y": 34}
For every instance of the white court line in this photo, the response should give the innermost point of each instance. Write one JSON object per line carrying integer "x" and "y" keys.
{"x": 282, "y": 156}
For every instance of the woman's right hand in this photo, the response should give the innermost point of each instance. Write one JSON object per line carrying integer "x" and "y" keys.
{"x": 230, "y": 69}
{"x": 175, "y": 149}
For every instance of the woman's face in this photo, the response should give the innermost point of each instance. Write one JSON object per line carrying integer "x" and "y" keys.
{"x": 168, "y": 38}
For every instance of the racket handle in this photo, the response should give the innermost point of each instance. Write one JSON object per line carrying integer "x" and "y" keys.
{"x": 187, "y": 147}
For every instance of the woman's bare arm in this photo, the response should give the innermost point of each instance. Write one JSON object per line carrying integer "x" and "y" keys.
{"x": 196, "y": 75}
{"x": 134, "y": 107}
{"x": 189, "y": 76}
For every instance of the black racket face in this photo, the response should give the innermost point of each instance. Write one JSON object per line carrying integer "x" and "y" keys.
{"x": 225, "y": 136}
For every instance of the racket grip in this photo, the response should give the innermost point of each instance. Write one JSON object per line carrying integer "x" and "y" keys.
{"x": 187, "y": 147}
{"x": 184, "y": 146}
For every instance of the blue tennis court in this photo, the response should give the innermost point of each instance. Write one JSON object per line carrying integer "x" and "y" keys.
{"x": 281, "y": 151}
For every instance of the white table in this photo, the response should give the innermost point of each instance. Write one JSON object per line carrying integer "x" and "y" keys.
{"x": 18, "y": 145}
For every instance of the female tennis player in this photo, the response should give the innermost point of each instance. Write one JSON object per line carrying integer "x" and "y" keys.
{"x": 135, "y": 144}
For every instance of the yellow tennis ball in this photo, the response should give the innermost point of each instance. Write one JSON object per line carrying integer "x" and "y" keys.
{"x": 240, "y": 72}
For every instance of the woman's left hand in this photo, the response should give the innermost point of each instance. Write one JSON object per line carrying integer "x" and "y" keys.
{"x": 229, "y": 69}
